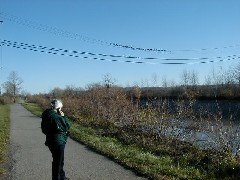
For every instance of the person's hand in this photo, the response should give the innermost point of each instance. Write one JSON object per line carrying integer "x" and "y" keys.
{"x": 60, "y": 112}
{"x": 68, "y": 133}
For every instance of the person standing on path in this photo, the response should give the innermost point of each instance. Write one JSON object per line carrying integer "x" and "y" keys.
{"x": 55, "y": 125}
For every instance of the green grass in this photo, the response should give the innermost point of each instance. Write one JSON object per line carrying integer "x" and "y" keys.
{"x": 170, "y": 163}
{"x": 33, "y": 108}
{"x": 133, "y": 157}
{"x": 4, "y": 135}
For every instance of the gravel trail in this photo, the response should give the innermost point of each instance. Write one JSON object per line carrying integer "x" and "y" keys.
{"x": 30, "y": 159}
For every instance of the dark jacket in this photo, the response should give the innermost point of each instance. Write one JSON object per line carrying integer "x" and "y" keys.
{"x": 58, "y": 130}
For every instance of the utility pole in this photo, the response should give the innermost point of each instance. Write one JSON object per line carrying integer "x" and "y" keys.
{"x": 1, "y": 67}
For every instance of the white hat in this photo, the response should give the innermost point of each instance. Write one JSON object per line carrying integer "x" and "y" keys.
{"x": 55, "y": 103}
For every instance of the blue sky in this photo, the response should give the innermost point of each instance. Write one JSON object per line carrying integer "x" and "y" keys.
{"x": 182, "y": 28}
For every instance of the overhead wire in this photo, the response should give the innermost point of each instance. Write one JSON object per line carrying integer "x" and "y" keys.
{"x": 64, "y": 33}
{"x": 206, "y": 49}
{"x": 1, "y": 63}
{"x": 1, "y": 60}
{"x": 114, "y": 58}
{"x": 102, "y": 54}
{"x": 68, "y": 34}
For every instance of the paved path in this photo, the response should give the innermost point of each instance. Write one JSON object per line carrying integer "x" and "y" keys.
{"x": 30, "y": 159}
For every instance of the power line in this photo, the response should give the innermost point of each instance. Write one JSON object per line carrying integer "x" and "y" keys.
{"x": 64, "y": 33}
{"x": 115, "y": 58}
{"x": 75, "y": 53}
{"x": 1, "y": 61}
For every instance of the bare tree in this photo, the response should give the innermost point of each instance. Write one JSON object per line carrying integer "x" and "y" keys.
{"x": 236, "y": 73}
{"x": 13, "y": 85}
{"x": 164, "y": 82}
{"x": 56, "y": 92}
{"x": 217, "y": 76}
{"x": 155, "y": 80}
{"x": 228, "y": 77}
{"x": 208, "y": 80}
{"x": 185, "y": 77}
{"x": 108, "y": 81}
{"x": 194, "y": 78}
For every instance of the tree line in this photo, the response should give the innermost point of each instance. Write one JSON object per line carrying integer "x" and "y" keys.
{"x": 219, "y": 84}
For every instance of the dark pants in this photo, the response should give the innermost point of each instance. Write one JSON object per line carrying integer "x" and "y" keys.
{"x": 58, "y": 162}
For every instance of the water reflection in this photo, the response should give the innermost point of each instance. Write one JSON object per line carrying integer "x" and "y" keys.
{"x": 214, "y": 135}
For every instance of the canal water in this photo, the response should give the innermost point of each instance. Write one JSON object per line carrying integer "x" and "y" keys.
{"x": 217, "y": 125}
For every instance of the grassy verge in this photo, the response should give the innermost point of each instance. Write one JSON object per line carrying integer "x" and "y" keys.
{"x": 33, "y": 108}
{"x": 4, "y": 135}
{"x": 162, "y": 165}
{"x": 134, "y": 157}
